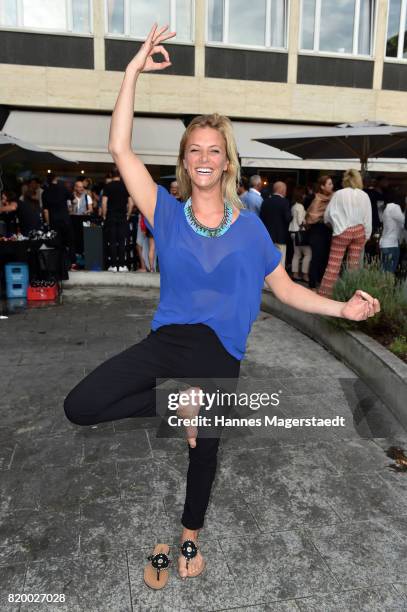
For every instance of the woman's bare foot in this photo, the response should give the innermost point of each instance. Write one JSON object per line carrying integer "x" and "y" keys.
{"x": 195, "y": 565}
{"x": 188, "y": 410}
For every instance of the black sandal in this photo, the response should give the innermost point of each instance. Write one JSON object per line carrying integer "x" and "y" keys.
{"x": 189, "y": 550}
{"x": 155, "y": 573}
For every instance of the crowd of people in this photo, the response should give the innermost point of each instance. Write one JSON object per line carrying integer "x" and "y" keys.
{"x": 313, "y": 228}
{"x": 62, "y": 206}
{"x": 318, "y": 225}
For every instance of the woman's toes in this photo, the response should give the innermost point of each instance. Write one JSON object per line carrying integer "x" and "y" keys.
{"x": 195, "y": 565}
{"x": 182, "y": 569}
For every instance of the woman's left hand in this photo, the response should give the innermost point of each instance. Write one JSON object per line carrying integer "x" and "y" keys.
{"x": 360, "y": 306}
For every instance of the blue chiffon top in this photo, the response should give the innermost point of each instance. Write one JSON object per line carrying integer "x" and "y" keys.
{"x": 214, "y": 281}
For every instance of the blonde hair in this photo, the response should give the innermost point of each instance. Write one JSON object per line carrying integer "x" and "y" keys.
{"x": 352, "y": 178}
{"x": 231, "y": 176}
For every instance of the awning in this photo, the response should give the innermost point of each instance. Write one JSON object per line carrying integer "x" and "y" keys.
{"x": 84, "y": 137}
{"x": 258, "y": 155}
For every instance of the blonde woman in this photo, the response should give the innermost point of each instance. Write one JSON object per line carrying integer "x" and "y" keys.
{"x": 214, "y": 257}
{"x": 350, "y": 215}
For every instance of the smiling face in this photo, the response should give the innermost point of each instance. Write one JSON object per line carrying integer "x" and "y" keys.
{"x": 79, "y": 188}
{"x": 205, "y": 158}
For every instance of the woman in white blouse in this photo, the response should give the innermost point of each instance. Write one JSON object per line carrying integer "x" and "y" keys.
{"x": 393, "y": 224}
{"x": 301, "y": 251}
{"x": 350, "y": 214}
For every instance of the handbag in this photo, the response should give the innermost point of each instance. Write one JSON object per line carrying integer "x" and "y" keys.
{"x": 301, "y": 237}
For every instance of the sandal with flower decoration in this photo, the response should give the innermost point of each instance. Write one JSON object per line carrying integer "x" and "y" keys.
{"x": 156, "y": 572}
{"x": 189, "y": 550}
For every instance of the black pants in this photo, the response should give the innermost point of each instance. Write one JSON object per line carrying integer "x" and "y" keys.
{"x": 116, "y": 234}
{"x": 134, "y": 228}
{"x": 77, "y": 226}
{"x": 65, "y": 231}
{"x": 123, "y": 387}
{"x": 320, "y": 242}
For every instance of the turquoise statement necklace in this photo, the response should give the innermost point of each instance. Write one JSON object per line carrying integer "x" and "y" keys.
{"x": 203, "y": 230}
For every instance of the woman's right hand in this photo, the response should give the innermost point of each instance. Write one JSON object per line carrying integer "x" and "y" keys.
{"x": 143, "y": 61}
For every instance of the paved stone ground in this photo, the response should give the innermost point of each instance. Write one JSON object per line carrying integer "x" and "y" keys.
{"x": 80, "y": 507}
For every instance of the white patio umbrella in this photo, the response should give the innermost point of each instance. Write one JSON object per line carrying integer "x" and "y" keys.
{"x": 362, "y": 141}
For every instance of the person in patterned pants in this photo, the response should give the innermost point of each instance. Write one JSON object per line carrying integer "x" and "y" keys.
{"x": 350, "y": 214}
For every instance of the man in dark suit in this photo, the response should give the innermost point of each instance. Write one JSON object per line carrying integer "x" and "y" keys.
{"x": 276, "y": 215}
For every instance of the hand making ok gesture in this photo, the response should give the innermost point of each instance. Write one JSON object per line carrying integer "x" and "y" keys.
{"x": 143, "y": 61}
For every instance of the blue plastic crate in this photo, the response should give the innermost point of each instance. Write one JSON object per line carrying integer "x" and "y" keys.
{"x": 16, "y": 290}
{"x": 17, "y": 280}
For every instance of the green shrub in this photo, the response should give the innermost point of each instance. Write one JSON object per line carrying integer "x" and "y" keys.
{"x": 399, "y": 346}
{"x": 392, "y": 319}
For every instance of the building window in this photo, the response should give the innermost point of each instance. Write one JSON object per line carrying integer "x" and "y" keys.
{"x": 54, "y": 15}
{"x": 337, "y": 26}
{"x": 240, "y": 23}
{"x": 396, "y": 30}
{"x": 8, "y": 13}
{"x": 135, "y": 18}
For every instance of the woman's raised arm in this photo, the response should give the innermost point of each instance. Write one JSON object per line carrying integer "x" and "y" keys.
{"x": 136, "y": 177}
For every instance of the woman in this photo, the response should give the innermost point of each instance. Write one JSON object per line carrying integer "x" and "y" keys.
{"x": 350, "y": 214}
{"x": 214, "y": 257}
{"x": 302, "y": 250}
{"x": 319, "y": 234}
{"x": 393, "y": 224}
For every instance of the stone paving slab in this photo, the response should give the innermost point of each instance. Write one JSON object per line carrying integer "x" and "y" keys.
{"x": 38, "y": 534}
{"x": 58, "y": 451}
{"x": 282, "y": 565}
{"x": 139, "y": 478}
{"x": 363, "y": 553}
{"x": 298, "y": 520}
{"x": 377, "y": 599}
{"x": 117, "y": 445}
{"x": 75, "y": 578}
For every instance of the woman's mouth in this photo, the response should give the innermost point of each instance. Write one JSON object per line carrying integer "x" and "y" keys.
{"x": 204, "y": 171}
